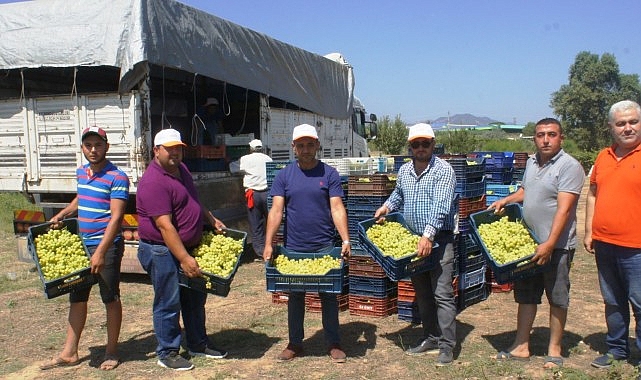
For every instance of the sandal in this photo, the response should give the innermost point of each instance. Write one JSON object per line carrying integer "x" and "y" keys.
{"x": 110, "y": 362}
{"x": 505, "y": 355}
{"x": 553, "y": 362}
{"x": 57, "y": 363}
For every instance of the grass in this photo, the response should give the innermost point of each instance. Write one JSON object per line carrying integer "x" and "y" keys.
{"x": 10, "y": 202}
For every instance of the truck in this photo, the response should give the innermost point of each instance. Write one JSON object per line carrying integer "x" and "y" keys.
{"x": 134, "y": 67}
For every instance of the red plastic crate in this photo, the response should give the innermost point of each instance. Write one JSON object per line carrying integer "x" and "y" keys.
{"x": 360, "y": 265}
{"x": 313, "y": 302}
{"x": 406, "y": 291}
{"x": 372, "y": 306}
{"x": 280, "y": 297}
{"x": 205, "y": 151}
{"x": 467, "y": 206}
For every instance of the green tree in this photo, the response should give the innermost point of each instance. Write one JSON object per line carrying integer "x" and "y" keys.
{"x": 458, "y": 141}
{"x": 582, "y": 104}
{"x": 392, "y": 136}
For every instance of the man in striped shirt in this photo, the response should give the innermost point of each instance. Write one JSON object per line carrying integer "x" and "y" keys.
{"x": 103, "y": 190}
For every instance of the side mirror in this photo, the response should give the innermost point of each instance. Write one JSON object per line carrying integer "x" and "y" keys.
{"x": 372, "y": 117}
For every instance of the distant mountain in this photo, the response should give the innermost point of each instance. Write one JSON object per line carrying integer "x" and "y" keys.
{"x": 463, "y": 119}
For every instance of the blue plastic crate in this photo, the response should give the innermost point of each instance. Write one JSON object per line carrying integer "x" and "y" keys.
{"x": 514, "y": 270}
{"x": 365, "y": 203}
{"x": 497, "y": 160}
{"x": 371, "y": 286}
{"x": 408, "y": 312}
{"x": 396, "y": 269}
{"x": 400, "y": 161}
{"x": 472, "y": 278}
{"x": 331, "y": 282}
{"x": 500, "y": 189}
{"x": 471, "y": 296}
{"x": 499, "y": 176}
{"x": 80, "y": 279}
{"x": 468, "y": 169}
{"x": 205, "y": 164}
{"x": 211, "y": 283}
{"x": 471, "y": 189}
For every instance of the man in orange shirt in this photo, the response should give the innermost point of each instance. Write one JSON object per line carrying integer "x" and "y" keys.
{"x": 612, "y": 219}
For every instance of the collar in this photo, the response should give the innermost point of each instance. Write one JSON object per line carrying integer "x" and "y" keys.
{"x": 552, "y": 160}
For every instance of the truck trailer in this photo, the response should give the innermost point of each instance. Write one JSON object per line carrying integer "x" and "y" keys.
{"x": 134, "y": 67}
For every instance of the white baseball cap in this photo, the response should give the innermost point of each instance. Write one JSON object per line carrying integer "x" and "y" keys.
{"x": 304, "y": 130}
{"x": 255, "y": 143}
{"x": 168, "y": 137}
{"x": 420, "y": 130}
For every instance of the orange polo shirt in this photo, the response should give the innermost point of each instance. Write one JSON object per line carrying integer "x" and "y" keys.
{"x": 617, "y": 211}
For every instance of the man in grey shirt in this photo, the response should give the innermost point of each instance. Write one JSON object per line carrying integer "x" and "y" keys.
{"x": 551, "y": 187}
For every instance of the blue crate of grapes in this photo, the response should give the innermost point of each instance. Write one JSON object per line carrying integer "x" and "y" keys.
{"x": 61, "y": 257}
{"x": 330, "y": 282}
{"x": 396, "y": 268}
{"x": 512, "y": 269}
{"x": 218, "y": 284}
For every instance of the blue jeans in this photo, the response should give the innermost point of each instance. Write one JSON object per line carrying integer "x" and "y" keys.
{"x": 619, "y": 269}
{"x": 435, "y": 296}
{"x": 170, "y": 299}
{"x": 329, "y": 314}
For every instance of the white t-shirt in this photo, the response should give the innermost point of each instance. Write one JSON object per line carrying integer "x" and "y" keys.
{"x": 253, "y": 165}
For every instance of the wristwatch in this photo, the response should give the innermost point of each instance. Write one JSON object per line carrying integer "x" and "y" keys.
{"x": 346, "y": 242}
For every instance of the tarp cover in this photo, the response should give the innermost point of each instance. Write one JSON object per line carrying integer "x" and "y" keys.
{"x": 131, "y": 33}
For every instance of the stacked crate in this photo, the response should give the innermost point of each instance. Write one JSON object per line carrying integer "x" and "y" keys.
{"x": 520, "y": 160}
{"x": 371, "y": 292}
{"x": 498, "y": 166}
{"x": 407, "y": 306}
{"x": 271, "y": 169}
{"x": 470, "y": 268}
{"x": 205, "y": 158}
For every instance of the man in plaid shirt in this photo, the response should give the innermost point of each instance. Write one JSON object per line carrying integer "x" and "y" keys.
{"x": 425, "y": 194}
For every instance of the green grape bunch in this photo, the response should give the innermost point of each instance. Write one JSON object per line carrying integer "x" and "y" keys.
{"x": 506, "y": 241}
{"x": 217, "y": 254}
{"x": 393, "y": 239}
{"x": 60, "y": 253}
{"x": 309, "y": 266}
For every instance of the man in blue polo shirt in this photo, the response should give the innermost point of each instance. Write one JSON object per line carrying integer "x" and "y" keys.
{"x": 311, "y": 192}
{"x": 170, "y": 224}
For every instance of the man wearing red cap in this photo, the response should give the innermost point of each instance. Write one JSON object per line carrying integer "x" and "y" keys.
{"x": 103, "y": 190}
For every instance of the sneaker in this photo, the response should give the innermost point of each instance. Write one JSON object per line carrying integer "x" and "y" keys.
{"x": 175, "y": 362}
{"x": 605, "y": 361}
{"x": 445, "y": 357}
{"x": 289, "y": 353}
{"x": 337, "y": 354}
{"x": 424, "y": 347}
{"x": 210, "y": 352}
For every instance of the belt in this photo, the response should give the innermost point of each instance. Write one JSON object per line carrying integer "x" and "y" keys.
{"x": 151, "y": 242}
{"x": 257, "y": 191}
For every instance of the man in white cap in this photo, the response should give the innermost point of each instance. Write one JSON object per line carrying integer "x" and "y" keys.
{"x": 170, "y": 225}
{"x": 253, "y": 167}
{"x": 311, "y": 192}
{"x": 425, "y": 194}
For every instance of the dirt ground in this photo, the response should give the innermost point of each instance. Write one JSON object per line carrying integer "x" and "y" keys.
{"x": 254, "y": 330}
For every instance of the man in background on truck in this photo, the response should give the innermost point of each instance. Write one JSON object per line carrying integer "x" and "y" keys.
{"x": 311, "y": 192}
{"x": 210, "y": 119}
{"x": 551, "y": 187}
{"x": 103, "y": 190}
{"x": 170, "y": 225}
{"x": 425, "y": 194}
{"x": 253, "y": 167}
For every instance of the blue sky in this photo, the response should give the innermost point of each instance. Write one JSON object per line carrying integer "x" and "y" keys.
{"x": 422, "y": 59}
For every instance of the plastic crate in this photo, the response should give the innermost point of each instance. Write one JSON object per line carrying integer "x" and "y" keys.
{"x": 467, "y": 206}
{"x": 240, "y": 139}
{"x": 375, "y": 184}
{"x": 79, "y": 279}
{"x": 471, "y": 189}
{"x": 280, "y": 297}
{"x": 514, "y": 270}
{"x": 497, "y": 160}
{"x": 205, "y": 151}
{"x": 471, "y": 296}
{"x": 371, "y": 286}
{"x": 331, "y": 282}
{"x": 400, "y": 161}
{"x": 313, "y": 302}
{"x": 209, "y": 282}
{"x": 499, "y": 176}
{"x": 501, "y": 190}
{"x": 205, "y": 165}
{"x": 372, "y": 306}
{"x": 406, "y": 292}
{"x": 520, "y": 159}
{"x": 341, "y": 165}
{"x": 408, "y": 312}
{"x": 396, "y": 269}
{"x": 362, "y": 264}
{"x": 472, "y": 278}
{"x": 365, "y": 203}
{"x": 467, "y": 169}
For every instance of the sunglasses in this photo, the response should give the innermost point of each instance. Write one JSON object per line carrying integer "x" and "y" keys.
{"x": 423, "y": 143}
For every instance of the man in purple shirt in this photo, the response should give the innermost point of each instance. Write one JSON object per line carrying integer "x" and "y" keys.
{"x": 170, "y": 224}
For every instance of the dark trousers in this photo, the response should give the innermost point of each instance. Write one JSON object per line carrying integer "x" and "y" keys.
{"x": 257, "y": 217}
